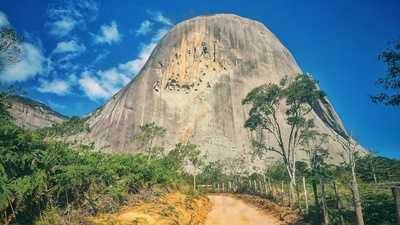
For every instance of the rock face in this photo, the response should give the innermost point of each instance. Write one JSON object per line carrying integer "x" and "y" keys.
{"x": 31, "y": 114}
{"x": 193, "y": 85}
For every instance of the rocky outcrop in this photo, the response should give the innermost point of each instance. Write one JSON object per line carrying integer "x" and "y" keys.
{"x": 31, "y": 114}
{"x": 193, "y": 85}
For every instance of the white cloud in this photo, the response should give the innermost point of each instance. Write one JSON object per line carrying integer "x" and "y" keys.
{"x": 145, "y": 28}
{"x": 3, "y": 20}
{"x": 31, "y": 64}
{"x": 56, "y": 86}
{"x": 159, "y": 17}
{"x": 109, "y": 34}
{"x": 134, "y": 66}
{"x": 69, "y": 47}
{"x": 100, "y": 56}
{"x": 92, "y": 87}
{"x": 62, "y": 26}
{"x": 102, "y": 84}
{"x": 66, "y": 16}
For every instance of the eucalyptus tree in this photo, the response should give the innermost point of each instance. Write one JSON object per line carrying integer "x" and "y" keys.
{"x": 350, "y": 156}
{"x": 196, "y": 161}
{"x": 149, "y": 133}
{"x": 313, "y": 145}
{"x": 391, "y": 81}
{"x": 298, "y": 95}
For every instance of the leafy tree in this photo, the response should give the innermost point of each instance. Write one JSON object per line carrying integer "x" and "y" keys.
{"x": 70, "y": 126}
{"x": 149, "y": 133}
{"x": 10, "y": 50}
{"x": 196, "y": 161}
{"x": 350, "y": 158}
{"x": 299, "y": 95}
{"x": 391, "y": 81}
{"x": 372, "y": 167}
{"x": 213, "y": 172}
{"x": 313, "y": 145}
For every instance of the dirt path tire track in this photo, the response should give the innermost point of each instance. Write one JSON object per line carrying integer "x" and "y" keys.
{"x": 227, "y": 210}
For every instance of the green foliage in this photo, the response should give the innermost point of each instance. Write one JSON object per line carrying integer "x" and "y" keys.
{"x": 50, "y": 216}
{"x": 378, "y": 207}
{"x": 213, "y": 172}
{"x": 299, "y": 95}
{"x": 385, "y": 169}
{"x": 149, "y": 133}
{"x": 32, "y": 103}
{"x": 37, "y": 175}
{"x": 71, "y": 126}
{"x": 391, "y": 81}
{"x": 195, "y": 158}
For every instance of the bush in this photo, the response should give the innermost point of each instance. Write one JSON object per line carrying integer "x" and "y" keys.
{"x": 36, "y": 176}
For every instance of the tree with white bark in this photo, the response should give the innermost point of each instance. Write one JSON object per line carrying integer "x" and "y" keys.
{"x": 298, "y": 95}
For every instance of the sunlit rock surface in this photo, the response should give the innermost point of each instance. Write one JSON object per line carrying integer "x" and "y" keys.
{"x": 193, "y": 85}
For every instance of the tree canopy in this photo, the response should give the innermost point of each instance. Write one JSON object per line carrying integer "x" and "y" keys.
{"x": 391, "y": 81}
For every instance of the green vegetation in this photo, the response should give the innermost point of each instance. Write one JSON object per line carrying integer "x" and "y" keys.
{"x": 71, "y": 126}
{"x": 40, "y": 179}
{"x": 299, "y": 95}
{"x": 145, "y": 139}
{"x": 342, "y": 194}
{"x": 32, "y": 103}
{"x": 391, "y": 81}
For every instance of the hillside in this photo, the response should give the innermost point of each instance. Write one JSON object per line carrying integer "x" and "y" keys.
{"x": 32, "y": 114}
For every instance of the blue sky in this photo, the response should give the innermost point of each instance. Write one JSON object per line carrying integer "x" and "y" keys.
{"x": 78, "y": 53}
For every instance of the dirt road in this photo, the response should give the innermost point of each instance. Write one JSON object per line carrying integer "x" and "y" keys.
{"x": 227, "y": 210}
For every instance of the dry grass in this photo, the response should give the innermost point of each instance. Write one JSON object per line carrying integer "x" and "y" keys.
{"x": 170, "y": 209}
{"x": 284, "y": 214}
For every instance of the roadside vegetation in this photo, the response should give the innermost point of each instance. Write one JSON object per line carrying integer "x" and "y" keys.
{"x": 357, "y": 191}
{"x": 47, "y": 181}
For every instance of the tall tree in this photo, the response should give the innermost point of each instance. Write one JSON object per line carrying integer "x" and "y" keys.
{"x": 391, "y": 81}
{"x": 196, "y": 160}
{"x": 350, "y": 156}
{"x": 149, "y": 133}
{"x": 313, "y": 146}
{"x": 299, "y": 95}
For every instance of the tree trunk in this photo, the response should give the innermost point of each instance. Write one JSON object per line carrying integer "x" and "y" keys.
{"x": 338, "y": 204}
{"x": 297, "y": 196}
{"x": 194, "y": 182}
{"x": 291, "y": 194}
{"x": 325, "y": 215}
{"x": 315, "y": 192}
{"x": 396, "y": 198}
{"x": 305, "y": 194}
{"x": 374, "y": 175}
{"x": 356, "y": 199}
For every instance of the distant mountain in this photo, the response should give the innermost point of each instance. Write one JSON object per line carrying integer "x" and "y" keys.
{"x": 32, "y": 114}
